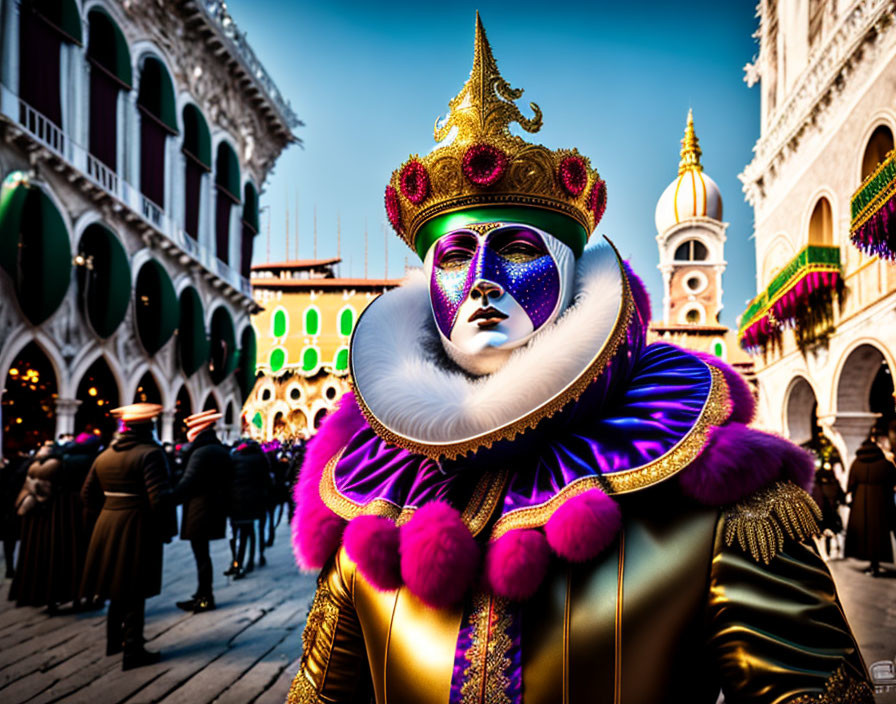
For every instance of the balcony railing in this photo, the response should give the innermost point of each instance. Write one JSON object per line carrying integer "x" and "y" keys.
{"x": 800, "y": 297}
{"x": 48, "y": 134}
{"x": 873, "y": 224}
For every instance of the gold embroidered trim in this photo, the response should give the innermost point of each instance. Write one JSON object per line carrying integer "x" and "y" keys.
{"x": 345, "y": 508}
{"x": 301, "y": 691}
{"x": 716, "y": 410}
{"x": 475, "y": 516}
{"x": 485, "y": 679}
{"x": 841, "y": 688}
{"x": 321, "y": 623}
{"x": 510, "y": 430}
{"x": 482, "y": 503}
{"x": 760, "y": 522}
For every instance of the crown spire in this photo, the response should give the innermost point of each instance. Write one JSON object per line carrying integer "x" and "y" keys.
{"x": 690, "y": 148}
{"x": 484, "y": 106}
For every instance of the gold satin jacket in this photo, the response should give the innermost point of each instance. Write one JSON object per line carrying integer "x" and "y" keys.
{"x": 671, "y": 613}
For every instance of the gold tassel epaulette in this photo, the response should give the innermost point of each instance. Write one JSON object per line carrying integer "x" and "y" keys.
{"x": 761, "y": 521}
{"x": 841, "y": 688}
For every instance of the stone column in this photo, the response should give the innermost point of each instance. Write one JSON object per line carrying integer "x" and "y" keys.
{"x": 9, "y": 60}
{"x": 167, "y": 426}
{"x": 847, "y": 431}
{"x": 66, "y": 408}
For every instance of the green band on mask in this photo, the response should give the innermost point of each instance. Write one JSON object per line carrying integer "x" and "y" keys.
{"x": 564, "y": 228}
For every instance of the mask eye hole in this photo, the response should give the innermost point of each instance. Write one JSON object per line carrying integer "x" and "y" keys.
{"x": 518, "y": 245}
{"x": 455, "y": 251}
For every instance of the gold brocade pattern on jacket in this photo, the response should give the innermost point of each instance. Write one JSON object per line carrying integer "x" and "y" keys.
{"x": 680, "y": 616}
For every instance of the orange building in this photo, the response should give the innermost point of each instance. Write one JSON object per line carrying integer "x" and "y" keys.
{"x": 302, "y": 335}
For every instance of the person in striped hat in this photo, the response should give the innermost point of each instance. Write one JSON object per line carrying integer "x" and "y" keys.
{"x": 128, "y": 485}
{"x": 202, "y": 490}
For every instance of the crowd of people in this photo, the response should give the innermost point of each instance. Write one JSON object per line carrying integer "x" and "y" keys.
{"x": 90, "y": 522}
{"x": 865, "y": 495}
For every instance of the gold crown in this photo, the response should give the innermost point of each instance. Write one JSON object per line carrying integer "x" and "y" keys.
{"x": 480, "y": 163}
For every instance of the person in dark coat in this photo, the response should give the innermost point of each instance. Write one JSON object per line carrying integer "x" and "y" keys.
{"x": 872, "y": 478}
{"x": 12, "y": 479}
{"x": 128, "y": 487}
{"x": 53, "y": 543}
{"x": 829, "y": 496}
{"x": 250, "y": 491}
{"x": 203, "y": 492}
{"x": 78, "y": 456}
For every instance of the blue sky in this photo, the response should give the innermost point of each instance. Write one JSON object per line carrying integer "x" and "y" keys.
{"x": 613, "y": 80}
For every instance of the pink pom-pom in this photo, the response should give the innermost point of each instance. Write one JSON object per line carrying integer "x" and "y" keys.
{"x": 373, "y": 543}
{"x": 515, "y": 564}
{"x": 584, "y": 526}
{"x": 438, "y": 555}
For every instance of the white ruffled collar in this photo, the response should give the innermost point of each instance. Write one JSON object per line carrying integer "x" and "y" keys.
{"x": 412, "y": 397}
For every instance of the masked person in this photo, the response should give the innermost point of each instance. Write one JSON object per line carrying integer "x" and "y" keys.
{"x": 203, "y": 489}
{"x": 524, "y": 503}
{"x": 128, "y": 485}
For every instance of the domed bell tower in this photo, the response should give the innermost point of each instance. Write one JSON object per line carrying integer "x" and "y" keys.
{"x": 691, "y": 239}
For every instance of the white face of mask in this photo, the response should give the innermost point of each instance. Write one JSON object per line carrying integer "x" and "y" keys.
{"x": 493, "y": 286}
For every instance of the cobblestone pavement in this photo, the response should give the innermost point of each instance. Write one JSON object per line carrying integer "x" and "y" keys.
{"x": 248, "y": 649}
{"x": 245, "y": 651}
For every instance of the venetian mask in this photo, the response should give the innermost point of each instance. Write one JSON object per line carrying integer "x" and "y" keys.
{"x": 493, "y": 286}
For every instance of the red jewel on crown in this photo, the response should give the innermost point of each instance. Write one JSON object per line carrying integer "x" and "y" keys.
{"x": 573, "y": 175}
{"x": 392, "y": 210}
{"x": 484, "y": 164}
{"x": 597, "y": 201}
{"x": 414, "y": 182}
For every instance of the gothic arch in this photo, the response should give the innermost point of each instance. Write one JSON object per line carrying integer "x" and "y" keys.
{"x": 159, "y": 379}
{"x": 856, "y": 369}
{"x": 778, "y": 253}
{"x": 88, "y": 359}
{"x": 800, "y": 401}
{"x": 819, "y": 227}
{"x": 23, "y": 335}
{"x": 883, "y": 118}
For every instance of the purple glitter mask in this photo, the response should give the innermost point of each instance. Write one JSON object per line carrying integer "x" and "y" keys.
{"x": 482, "y": 267}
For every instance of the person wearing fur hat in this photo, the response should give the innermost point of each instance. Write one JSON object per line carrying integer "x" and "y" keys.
{"x": 202, "y": 489}
{"x": 128, "y": 487}
{"x": 522, "y": 502}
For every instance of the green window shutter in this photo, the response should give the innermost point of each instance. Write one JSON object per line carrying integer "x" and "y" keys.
{"x": 34, "y": 247}
{"x": 156, "y": 95}
{"x": 279, "y": 322}
{"x": 227, "y": 171}
{"x": 277, "y": 359}
{"x": 104, "y": 282}
{"x": 309, "y": 359}
{"x": 718, "y": 350}
{"x": 342, "y": 359}
{"x": 197, "y": 139}
{"x": 222, "y": 359}
{"x": 257, "y": 420}
{"x": 108, "y": 48}
{"x": 248, "y": 354}
{"x": 312, "y": 322}
{"x": 157, "y": 309}
{"x": 346, "y": 322}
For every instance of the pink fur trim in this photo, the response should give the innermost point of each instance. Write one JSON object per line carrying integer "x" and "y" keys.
{"x": 516, "y": 563}
{"x": 742, "y": 400}
{"x": 439, "y": 557}
{"x": 584, "y": 526}
{"x": 317, "y": 531}
{"x": 373, "y": 543}
{"x": 739, "y": 460}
